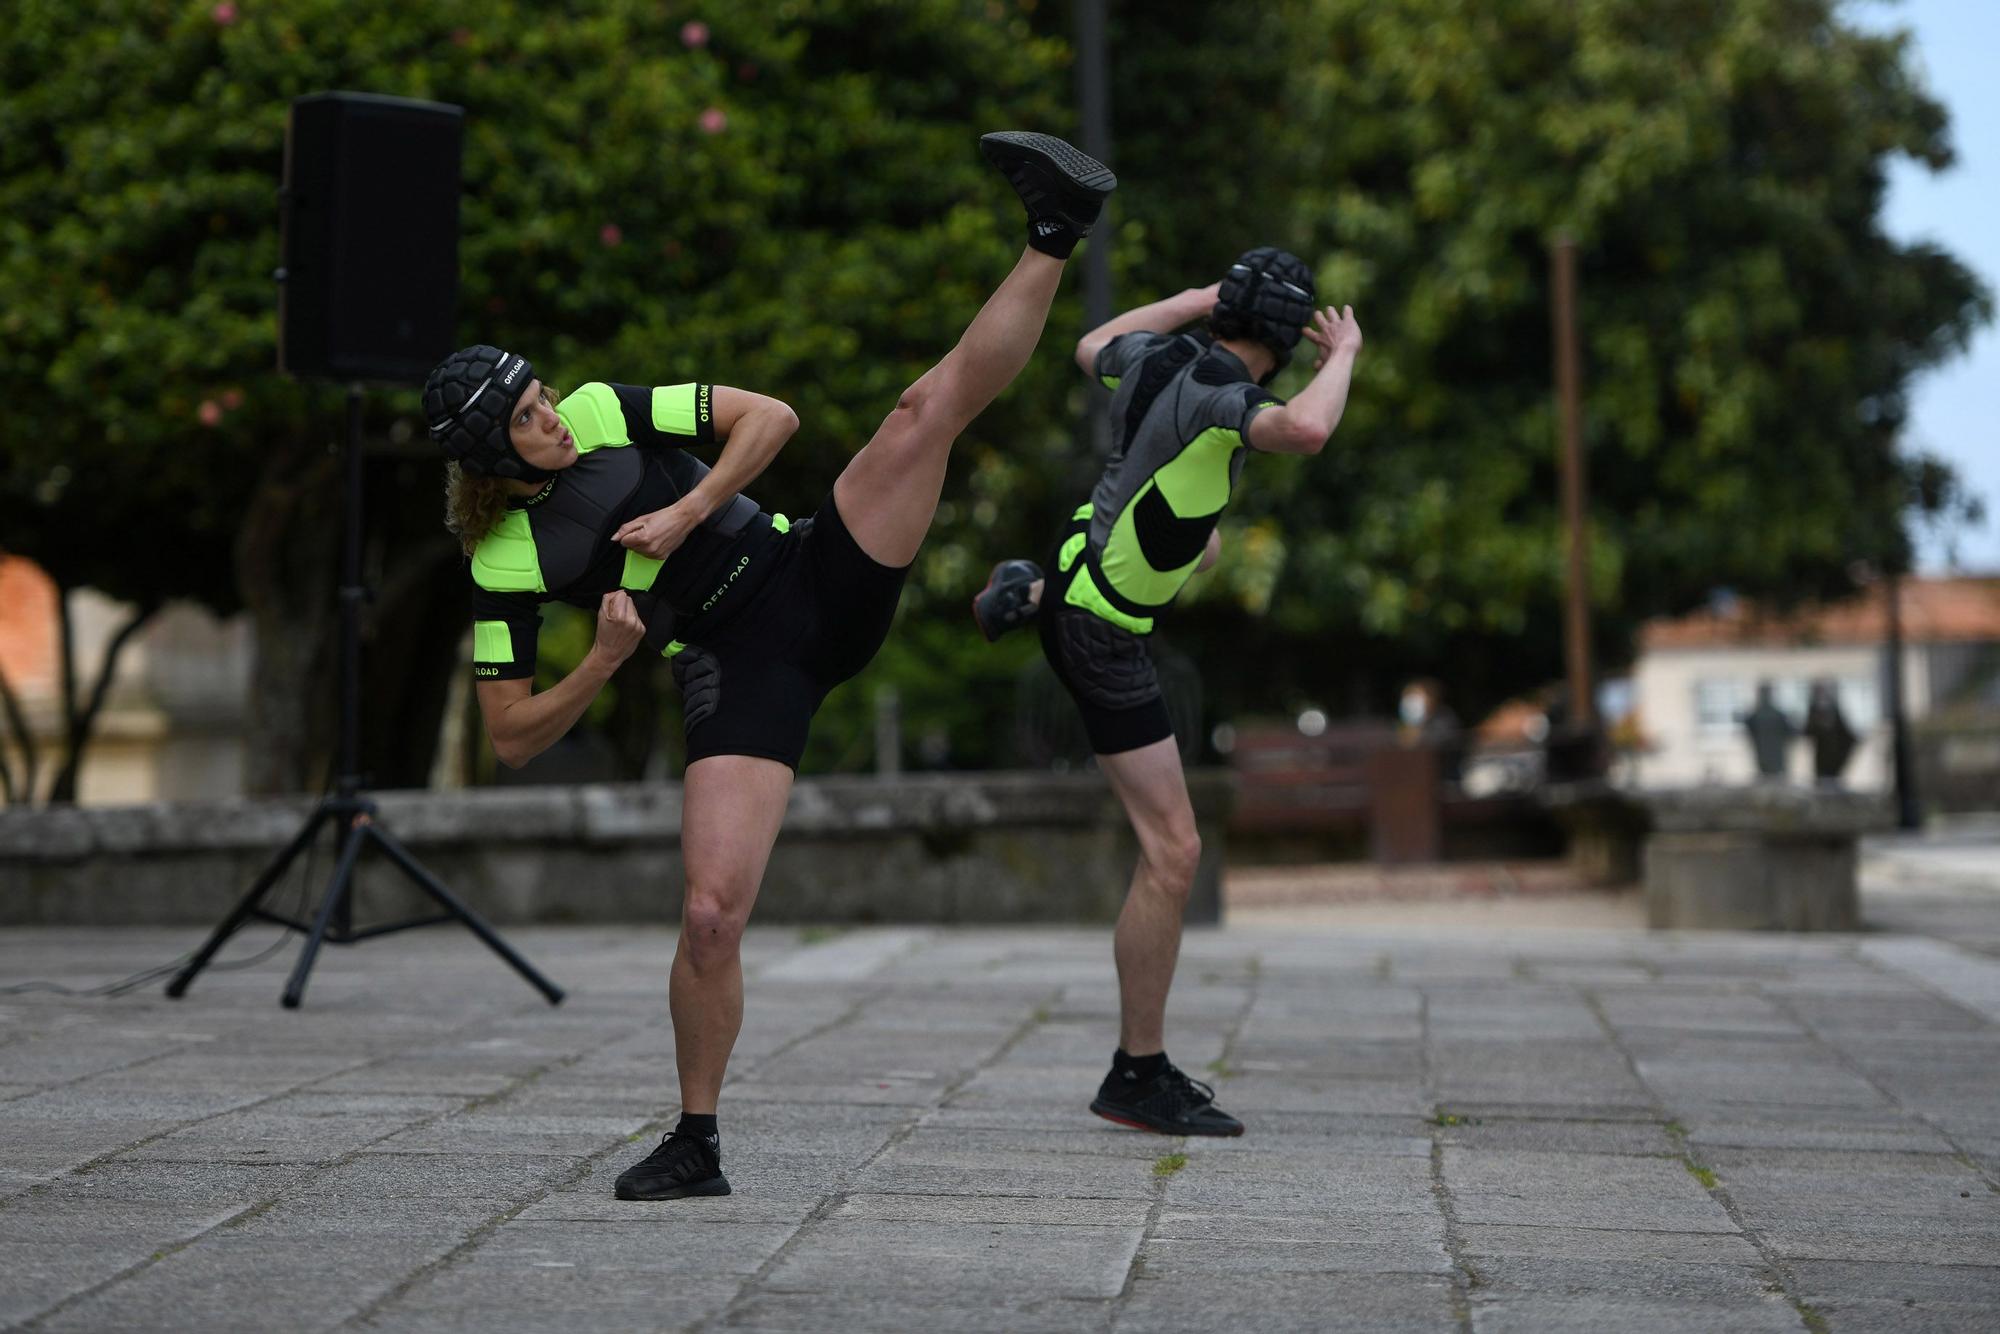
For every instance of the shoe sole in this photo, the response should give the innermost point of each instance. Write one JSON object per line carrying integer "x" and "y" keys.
{"x": 1104, "y": 1110}
{"x": 992, "y": 636}
{"x": 712, "y": 1186}
{"x": 980, "y": 621}
{"x": 1078, "y": 167}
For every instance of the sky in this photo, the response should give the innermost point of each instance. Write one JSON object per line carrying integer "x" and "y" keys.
{"x": 1953, "y": 407}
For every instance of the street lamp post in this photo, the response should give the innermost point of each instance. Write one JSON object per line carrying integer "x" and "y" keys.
{"x": 1093, "y": 98}
{"x": 1569, "y": 395}
{"x": 1907, "y": 813}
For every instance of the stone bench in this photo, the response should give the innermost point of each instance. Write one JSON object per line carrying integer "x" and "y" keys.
{"x": 988, "y": 847}
{"x": 1769, "y": 857}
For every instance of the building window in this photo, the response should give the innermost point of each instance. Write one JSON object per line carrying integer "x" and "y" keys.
{"x": 1860, "y": 700}
{"x": 1719, "y": 705}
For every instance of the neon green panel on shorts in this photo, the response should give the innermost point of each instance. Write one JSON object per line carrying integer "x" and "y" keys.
{"x": 1083, "y": 593}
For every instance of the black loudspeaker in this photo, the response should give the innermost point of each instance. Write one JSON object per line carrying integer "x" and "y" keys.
{"x": 369, "y": 287}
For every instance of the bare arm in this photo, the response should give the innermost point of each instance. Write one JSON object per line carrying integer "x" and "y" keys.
{"x": 752, "y": 428}
{"x": 523, "y": 724}
{"x": 1161, "y": 316}
{"x": 1303, "y": 425}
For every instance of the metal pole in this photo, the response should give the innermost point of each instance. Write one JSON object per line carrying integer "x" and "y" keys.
{"x": 1907, "y": 815}
{"x": 1569, "y": 377}
{"x": 1093, "y": 99}
{"x": 347, "y": 780}
{"x": 348, "y": 775}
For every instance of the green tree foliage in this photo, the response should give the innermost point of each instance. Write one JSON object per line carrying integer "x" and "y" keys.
{"x": 784, "y": 195}
{"x": 1749, "y": 332}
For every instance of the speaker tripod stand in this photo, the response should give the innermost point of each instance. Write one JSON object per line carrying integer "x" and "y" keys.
{"x": 348, "y": 810}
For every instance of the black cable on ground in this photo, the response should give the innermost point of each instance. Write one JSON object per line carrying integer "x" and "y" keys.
{"x": 158, "y": 971}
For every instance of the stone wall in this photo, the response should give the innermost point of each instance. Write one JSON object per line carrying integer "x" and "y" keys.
{"x": 996, "y": 847}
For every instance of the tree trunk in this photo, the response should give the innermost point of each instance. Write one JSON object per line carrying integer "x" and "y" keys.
{"x": 287, "y": 568}
{"x": 412, "y": 625}
{"x": 24, "y": 739}
{"x": 81, "y": 723}
{"x": 410, "y": 648}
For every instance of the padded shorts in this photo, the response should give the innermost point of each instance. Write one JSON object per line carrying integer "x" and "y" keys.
{"x": 1107, "y": 670}
{"x": 751, "y": 685}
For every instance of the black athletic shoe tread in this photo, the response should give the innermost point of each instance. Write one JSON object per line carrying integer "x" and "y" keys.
{"x": 1078, "y": 166}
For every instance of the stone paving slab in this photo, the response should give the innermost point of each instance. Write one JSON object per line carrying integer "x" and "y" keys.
{"x": 1544, "y": 1130}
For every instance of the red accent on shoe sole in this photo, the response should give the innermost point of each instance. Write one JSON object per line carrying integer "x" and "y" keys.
{"x": 1136, "y": 1125}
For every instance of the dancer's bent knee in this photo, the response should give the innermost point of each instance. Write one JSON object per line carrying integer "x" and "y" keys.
{"x": 711, "y": 931}
{"x": 1173, "y": 863}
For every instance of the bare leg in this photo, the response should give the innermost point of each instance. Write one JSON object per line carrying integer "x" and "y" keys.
{"x": 732, "y": 807}
{"x": 1153, "y": 789}
{"x": 888, "y": 492}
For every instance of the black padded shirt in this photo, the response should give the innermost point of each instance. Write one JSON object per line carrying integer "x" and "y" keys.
{"x": 557, "y": 545}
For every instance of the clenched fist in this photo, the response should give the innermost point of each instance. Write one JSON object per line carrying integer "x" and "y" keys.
{"x": 619, "y": 629}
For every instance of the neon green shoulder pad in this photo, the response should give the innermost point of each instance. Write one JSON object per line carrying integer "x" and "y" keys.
{"x": 683, "y": 409}
{"x": 506, "y": 560}
{"x": 592, "y": 414}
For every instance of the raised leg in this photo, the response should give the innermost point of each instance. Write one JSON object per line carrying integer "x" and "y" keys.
{"x": 1152, "y": 787}
{"x": 733, "y": 806}
{"x": 888, "y": 492}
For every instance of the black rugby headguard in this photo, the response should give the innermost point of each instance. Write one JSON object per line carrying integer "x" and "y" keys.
{"x": 468, "y": 401}
{"x": 1268, "y": 296}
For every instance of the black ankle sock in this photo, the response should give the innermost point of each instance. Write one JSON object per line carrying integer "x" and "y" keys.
{"x": 701, "y": 1127}
{"x": 1138, "y": 1068}
{"x": 1051, "y": 236}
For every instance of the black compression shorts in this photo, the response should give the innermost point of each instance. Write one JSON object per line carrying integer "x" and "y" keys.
{"x": 1106, "y": 668}
{"x": 751, "y": 686}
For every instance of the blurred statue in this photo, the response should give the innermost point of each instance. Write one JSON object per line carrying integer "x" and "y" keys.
{"x": 1771, "y": 734}
{"x": 1832, "y": 739}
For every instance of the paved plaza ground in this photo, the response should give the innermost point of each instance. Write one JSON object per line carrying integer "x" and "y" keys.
{"x": 1453, "y": 1126}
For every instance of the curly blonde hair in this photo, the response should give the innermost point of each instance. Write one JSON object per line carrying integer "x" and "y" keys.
{"x": 475, "y": 504}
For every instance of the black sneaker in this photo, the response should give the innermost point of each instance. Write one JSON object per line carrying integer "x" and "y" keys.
{"x": 683, "y": 1165}
{"x": 1062, "y": 187}
{"x": 1169, "y": 1103}
{"x": 1003, "y": 604}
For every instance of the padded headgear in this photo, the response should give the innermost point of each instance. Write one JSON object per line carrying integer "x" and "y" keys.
{"x": 468, "y": 400}
{"x": 1268, "y": 296}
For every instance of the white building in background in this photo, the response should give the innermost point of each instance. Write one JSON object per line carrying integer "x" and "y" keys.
{"x": 1697, "y": 676}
